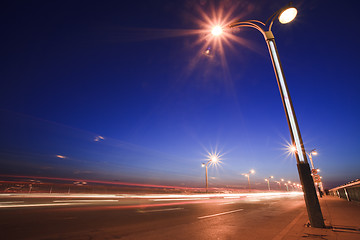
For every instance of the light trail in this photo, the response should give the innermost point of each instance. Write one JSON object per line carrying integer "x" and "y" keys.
{"x": 85, "y": 201}
{"x": 160, "y": 210}
{"x": 177, "y": 199}
{"x": 153, "y": 196}
{"x": 115, "y": 200}
{"x": 35, "y": 205}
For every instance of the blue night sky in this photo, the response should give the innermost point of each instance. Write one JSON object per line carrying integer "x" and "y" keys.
{"x": 135, "y": 73}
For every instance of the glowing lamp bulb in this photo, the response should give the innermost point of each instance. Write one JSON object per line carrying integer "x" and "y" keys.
{"x": 293, "y": 149}
{"x": 287, "y": 15}
{"x": 214, "y": 159}
{"x": 216, "y": 31}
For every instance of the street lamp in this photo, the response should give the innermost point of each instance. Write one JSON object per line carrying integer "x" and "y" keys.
{"x": 279, "y": 184}
{"x": 213, "y": 159}
{"x": 317, "y": 178}
{"x": 268, "y": 182}
{"x": 252, "y": 171}
{"x": 312, "y": 152}
{"x": 286, "y": 15}
{"x": 287, "y": 188}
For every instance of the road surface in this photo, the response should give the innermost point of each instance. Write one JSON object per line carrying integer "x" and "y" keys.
{"x": 213, "y": 216}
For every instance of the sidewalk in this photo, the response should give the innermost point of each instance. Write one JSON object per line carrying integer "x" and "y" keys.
{"x": 342, "y": 219}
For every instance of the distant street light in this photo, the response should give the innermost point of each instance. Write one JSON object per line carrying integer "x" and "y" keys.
{"x": 317, "y": 179}
{"x": 268, "y": 182}
{"x": 213, "y": 159}
{"x": 312, "y": 152}
{"x": 279, "y": 184}
{"x": 252, "y": 171}
{"x": 287, "y": 188}
{"x": 271, "y": 177}
{"x": 286, "y": 15}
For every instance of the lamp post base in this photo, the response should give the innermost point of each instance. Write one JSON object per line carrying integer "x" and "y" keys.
{"x": 311, "y": 200}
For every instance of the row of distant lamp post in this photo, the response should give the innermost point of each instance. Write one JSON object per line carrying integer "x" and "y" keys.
{"x": 213, "y": 159}
{"x": 286, "y": 15}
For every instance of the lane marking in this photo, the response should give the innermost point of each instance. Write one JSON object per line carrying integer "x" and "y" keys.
{"x": 160, "y": 210}
{"x": 219, "y": 214}
{"x": 288, "y": 227}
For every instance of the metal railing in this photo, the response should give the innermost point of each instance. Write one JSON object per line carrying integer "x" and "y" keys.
{"x": 349, "y": 191}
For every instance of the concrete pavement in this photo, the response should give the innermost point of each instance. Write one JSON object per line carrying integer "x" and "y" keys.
{"x": 342, "y": 219}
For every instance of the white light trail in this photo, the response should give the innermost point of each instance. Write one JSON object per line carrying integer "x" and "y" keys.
{"x": 160, "y": 210}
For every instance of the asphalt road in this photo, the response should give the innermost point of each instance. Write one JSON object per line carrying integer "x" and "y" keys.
{"x": 148, "y": 217}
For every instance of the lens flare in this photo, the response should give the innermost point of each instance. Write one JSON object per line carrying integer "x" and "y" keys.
{"x": 213, "y": 157}
{"x": 216, "y": 38}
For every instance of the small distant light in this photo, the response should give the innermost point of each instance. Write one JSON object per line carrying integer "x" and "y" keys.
{"x": 207, "y": 52}
{"x": 61, "y": 156}
{"x": 98, "y": 138}
{"x": 216, "y": 31}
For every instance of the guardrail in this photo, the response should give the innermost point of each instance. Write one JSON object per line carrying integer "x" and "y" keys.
{"x": 349, "y": 191}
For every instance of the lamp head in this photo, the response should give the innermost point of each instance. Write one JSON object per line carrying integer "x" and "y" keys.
{"x": 287, "y": 15}
{"x": 252, "y": 171}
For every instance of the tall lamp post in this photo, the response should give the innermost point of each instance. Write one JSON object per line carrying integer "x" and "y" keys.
{"x": 286, "y": 15}
{"x": 213, "y": 159}
{"x": 252, "y": 171}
